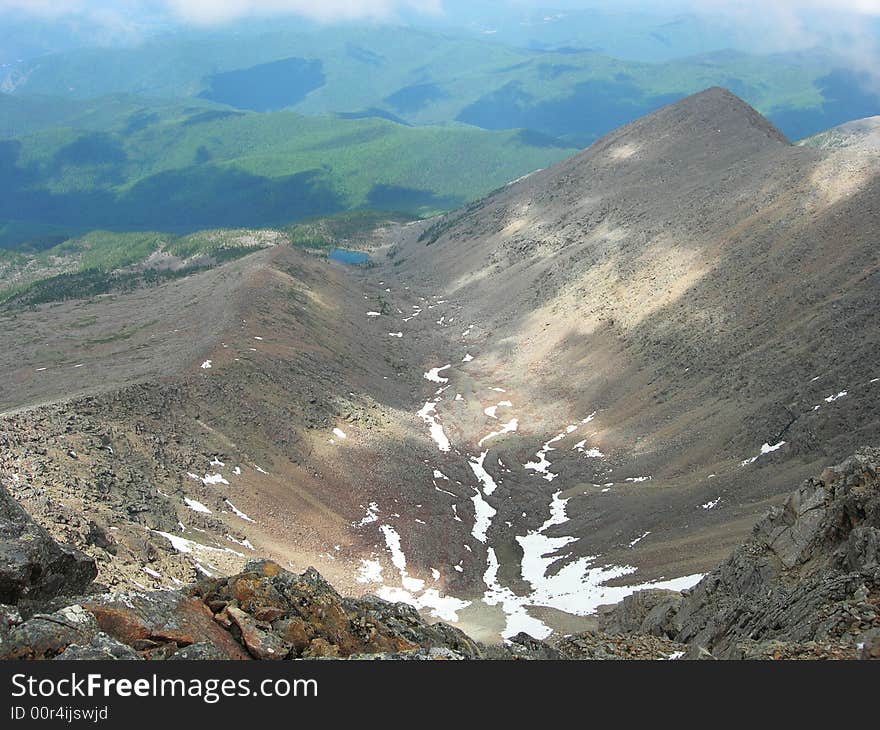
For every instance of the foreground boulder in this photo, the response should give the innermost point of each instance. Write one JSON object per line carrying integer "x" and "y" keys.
{"x": 807, "y": 583}
{"x": 264, "y": 612}
{"x": 157, "y": 624}
{"x": 32, "y": 565}
{"x": 277, "y": 614}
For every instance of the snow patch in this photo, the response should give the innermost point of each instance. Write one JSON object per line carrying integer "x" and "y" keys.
{"x": 509, "y": 427}
{"x": 577, "y": 588}
{"x": 209, "y": 479}
{"x": 765, "y": 449}
{"x": 244, "y": 543}
{"x": 370, "y": 571}
{"x": 477, "y": 466}
{"x": 188, "y": 547}
{"x": 581, "y": 446}
{"x": 196, "y": 506}
{"x": 542, "y": 465}
{"x": 371, "y": 516}
{"x": 237, "y": 512}
{"x": 483, "y": 514}
{"x": 434, "y": 374}
{"x": 428, "y": 415}
{"x": 492, "y": 410}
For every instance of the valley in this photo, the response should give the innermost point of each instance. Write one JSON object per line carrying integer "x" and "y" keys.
{"x": 590, "y": 382}
{"x": 344, "y": 470}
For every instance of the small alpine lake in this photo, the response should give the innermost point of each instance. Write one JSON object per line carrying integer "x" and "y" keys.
{"x": 346, "y": 256}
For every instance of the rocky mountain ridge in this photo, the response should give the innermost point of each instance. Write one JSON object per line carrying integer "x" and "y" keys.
{"x": 704, "y": 287}
{"x": 863, "y": 134}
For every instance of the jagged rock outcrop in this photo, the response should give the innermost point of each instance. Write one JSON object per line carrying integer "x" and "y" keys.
{"x": 32, "y": 564}
{"x": 264, "y": 612}
{"x": 652, "y": 612}
{"x": 277, "y": 614}
{"x": 806, "y": 583}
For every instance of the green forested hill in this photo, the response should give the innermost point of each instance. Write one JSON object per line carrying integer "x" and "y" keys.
{"x": 181, "y": 166}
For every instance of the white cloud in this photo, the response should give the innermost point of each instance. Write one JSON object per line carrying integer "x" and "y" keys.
{"x": 845, "y": 27}
{"x": 44, "y": 8}
{"x": 865, "y": 7}
{"x": 219, "y": 11}
{"x": 780, "y": 25}
{"x": 210, "y": 11}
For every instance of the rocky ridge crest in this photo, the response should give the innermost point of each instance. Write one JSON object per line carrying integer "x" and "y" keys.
{"x": 806, "y": 582}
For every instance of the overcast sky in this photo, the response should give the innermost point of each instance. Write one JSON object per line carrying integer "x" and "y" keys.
{"x": 780, "y": 24}
{"x": 218, "y": 11}
{"x": 213, "y": 11}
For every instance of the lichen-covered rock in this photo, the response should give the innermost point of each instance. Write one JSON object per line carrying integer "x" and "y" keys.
{"x": 161, "y": 620}
{"x": 261, "y": 642}
{"x": 651, "y": 612}
{"x": 32, "y": 564}
{"x": 198, "y": 652}
{"x": 437, "y": 654}
{"x": 10, "y": 616}
{"x": 523, "y": 646}
{"x": 276, "y": 614}
{"x": 410, "y": 628}
{"x": 101, "y": 647}
{"x": 44, "y": 636}
{"x": 595, "y": 645}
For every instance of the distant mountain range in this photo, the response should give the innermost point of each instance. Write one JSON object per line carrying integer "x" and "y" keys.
{"x": 430, "y": 77}
{"x": 268, "y": 124}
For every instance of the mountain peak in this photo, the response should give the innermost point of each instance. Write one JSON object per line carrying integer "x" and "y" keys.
{"x": 717, "y": 105}
{"x": 715, "y": 121}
